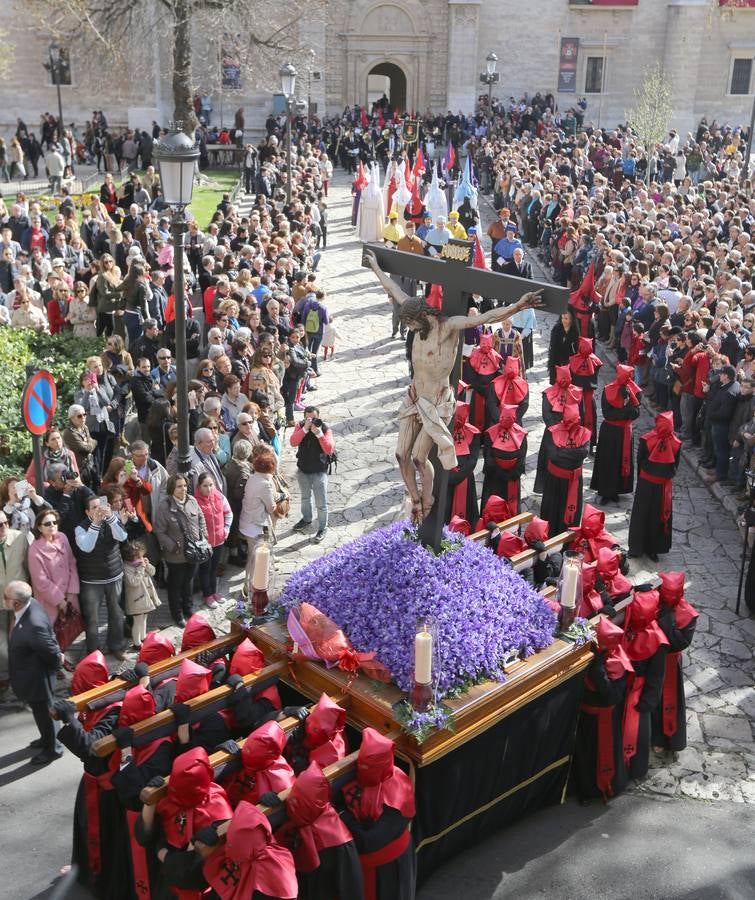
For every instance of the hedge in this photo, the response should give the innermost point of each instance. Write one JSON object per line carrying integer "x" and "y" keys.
{"x": 63, "y": 355}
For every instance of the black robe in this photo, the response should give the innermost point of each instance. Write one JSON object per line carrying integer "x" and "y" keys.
{"x": 652, "y": 670}
{"x": 608, "y": 694}
{"x": 338, "y": 877}
{"x": 648, "y": 533}
{"x": 550, "y": 417}
{"x": 111, "y": 840}
{"x": 484, "y": 408}
{"x": 555, "y": 490}
{"x": 679, "y": 639}
{"x": 563, "y": 345}
{"x": 588, "y": 407}
{"x": 496, "y": 479}
{"x": 464, "y": 472}
{"x": 394, "y": 880}
{"x": 607, "y": 479}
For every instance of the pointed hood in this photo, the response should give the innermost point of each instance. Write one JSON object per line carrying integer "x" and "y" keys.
{"x": 672, "y": 594}
{"x": 484, "y": 359}
{"x": 197, "y": 632}
{"x": 663, "y": 444}
{"x": 138, "y": 705}
{"x": 263, "y": 746}
{"x": 379, "y": 782}
{"x": 190, "y": 777}
{"x": 247, "y": 659}
{"x": 610, "y": 637}
{"x": 622, "y": 384}
{"x": 584, "y": 363}
{"x": 155, "y": 648}
{"x": 496, "y": 510}
{"x": 325, "y": 721}
{"x": 536, "y": 530}
{"x": 642, "y": 634}
{"x": 460, "y": 525}
{"x": 510, "y": 544}
{"x": 90, "y": 672}
{"x": 192, "y": 681}
{"x": 510, "y": 387}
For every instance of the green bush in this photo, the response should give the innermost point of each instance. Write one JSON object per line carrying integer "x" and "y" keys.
{"x": 61, "y": 354}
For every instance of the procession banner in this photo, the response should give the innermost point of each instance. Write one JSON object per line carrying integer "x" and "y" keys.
{"x": 567, "y": 65}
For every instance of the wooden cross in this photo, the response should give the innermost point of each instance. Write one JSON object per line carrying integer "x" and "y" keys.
{"x": 459, "y": 280}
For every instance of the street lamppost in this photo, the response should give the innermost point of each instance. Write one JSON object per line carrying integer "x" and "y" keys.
{"x": 54, "y": 52}
{"x": 288, "y": 85}
{"x": 310, "y": 67}
{"x": 176, "y": 155}
{"x": 490, "y": 77}
{"x": 748, "y": 151}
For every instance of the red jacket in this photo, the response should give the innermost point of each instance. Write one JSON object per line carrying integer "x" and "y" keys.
{"x": 56, "y": 317}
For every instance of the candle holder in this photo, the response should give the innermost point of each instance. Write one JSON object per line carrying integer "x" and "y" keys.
{"x": 425, "y": 663}
{"x": 260, "y": 579}
{"x": 569, "y": 588}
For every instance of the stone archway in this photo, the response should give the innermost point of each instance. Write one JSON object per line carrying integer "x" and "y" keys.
{"x": 396, "y": 85}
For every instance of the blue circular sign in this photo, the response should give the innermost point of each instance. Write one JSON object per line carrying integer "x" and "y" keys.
{"x": 38, "y": 402}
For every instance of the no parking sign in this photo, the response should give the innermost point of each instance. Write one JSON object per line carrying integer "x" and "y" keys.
{"x": 38, "y": 402}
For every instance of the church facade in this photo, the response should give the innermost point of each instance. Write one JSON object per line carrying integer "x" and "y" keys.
{"x": 428, "y": 55}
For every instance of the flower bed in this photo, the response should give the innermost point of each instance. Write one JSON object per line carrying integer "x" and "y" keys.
{"x": 377, "y": 586}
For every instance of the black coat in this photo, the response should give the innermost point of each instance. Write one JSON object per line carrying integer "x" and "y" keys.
{"x": 563, "y": 345}
{"x": 33, "y": 656}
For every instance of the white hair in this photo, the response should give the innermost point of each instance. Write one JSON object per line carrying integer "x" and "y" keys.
{"x": 75, "y": 410}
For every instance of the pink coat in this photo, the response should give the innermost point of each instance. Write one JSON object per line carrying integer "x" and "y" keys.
{"x": 52, "y": 569}
{"x": 217, "y": 515}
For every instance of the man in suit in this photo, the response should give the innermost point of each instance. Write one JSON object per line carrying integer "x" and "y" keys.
{"x": 517, "y": 265}
{"x": 13, "y": 548}
{"x": 35, "y": 658}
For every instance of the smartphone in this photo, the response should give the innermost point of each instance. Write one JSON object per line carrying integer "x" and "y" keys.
{"x": 103, "y": 502}
{"x": 128, "y": 466}
{"x": 22, "y": 488}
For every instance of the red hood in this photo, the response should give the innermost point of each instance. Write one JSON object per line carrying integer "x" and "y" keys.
{"x": 460, "y": 525}
{"x": 537, "y": 530}
{"x": 563, "y": 376}
{"x": 495, "y": 510}
{"x": 461, "y": 415}
{"x": 624, "y": 374}
{"x": 90, "y": 673}
{"x": 138, "y": 705}
{"x": 263, "y": 746}
{"x": 593, "y": 521}
{"x": 510, "y": 544}
{"x": 375, "y": 762}
{"x": 507, "y": 418}
{"x": 326, "y": 719}
{"x": 247, "y": 660}
{"x": 155, "y": 648}
{"x": 196, "y": 633}
{"x": 609, "y": 635}
{"x": 309, "y": 797}
{"x": 672, "y": 587}
{"x": 190, "y": 778}
{"x": 642, "y": 611}
{"x": 192, "y": 681}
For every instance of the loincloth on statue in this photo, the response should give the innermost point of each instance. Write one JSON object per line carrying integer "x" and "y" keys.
{"x": 431, "y": 416}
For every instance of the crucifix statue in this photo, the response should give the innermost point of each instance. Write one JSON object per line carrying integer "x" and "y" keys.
{"x": 429, "y": 404}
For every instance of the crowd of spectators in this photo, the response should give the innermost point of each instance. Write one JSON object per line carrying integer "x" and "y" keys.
{"x": 113, "y": 498}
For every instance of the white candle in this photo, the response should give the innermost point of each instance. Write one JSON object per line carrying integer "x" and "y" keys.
{"x": 423, "y": 657}
{"x": 261, "y": 568}
{"x": 570, "y": 577}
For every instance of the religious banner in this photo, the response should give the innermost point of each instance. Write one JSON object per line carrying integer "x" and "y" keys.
{"x": 410, "y": 131}
{"x": 230, "y": 63}
{"x": 567, "y": 65}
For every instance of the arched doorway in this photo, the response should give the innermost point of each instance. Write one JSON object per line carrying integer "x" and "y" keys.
{"x": 389, "y": 79}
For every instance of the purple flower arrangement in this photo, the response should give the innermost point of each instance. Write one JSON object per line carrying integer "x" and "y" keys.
{"x": 377, "y": 586}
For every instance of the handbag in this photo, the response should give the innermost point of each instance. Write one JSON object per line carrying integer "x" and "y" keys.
{"x": 195, "y": 551}
{"x": 68, "y": 626}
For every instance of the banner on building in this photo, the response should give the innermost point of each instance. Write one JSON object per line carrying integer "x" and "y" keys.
{"x": 567, "y": 65}
{"x": 230, "y": 63}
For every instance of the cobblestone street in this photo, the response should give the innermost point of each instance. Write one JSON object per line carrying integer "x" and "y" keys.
{"x": 358, "y": 394}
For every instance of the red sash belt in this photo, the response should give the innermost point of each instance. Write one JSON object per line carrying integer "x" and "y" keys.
{"x": 506, "y": 463}
{"x": 138, "y": 858}
{"x": 670, "y": 681}
{"x": 587, "y": 396}
{"x": 631, "y": 723}
{"x": 605, "y": 769}
{"x": 459, "y": 502}
{"x": 626, "y": 444}
{"x": 584, "y": 323}
{"x": 667, "y": 494}
{"x": 477, "y": 412}
{"x": 573, "y": 476}
{"x": 371, "y": 862}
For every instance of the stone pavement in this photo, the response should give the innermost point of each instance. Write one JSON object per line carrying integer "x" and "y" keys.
{"x": 358, "y": 394}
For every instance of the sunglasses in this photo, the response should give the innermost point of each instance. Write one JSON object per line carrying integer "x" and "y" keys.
{"x": 164, "y": 357}
{"x": 49, "y": 523}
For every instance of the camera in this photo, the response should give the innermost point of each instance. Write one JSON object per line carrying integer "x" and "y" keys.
{"x": 317, "y": 423}
{"x": 70, "y": 475}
